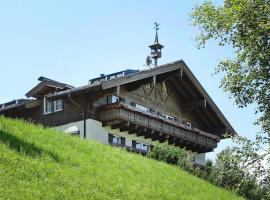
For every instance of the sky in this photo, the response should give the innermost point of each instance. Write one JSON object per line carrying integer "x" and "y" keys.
{"x": 74, "y": 41}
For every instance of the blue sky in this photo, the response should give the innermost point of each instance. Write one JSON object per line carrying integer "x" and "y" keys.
{"x": 73, "y": 41}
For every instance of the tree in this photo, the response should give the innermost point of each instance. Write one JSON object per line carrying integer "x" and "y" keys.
{"x": 244, "y": 25}
{"x": 233, "y": 175}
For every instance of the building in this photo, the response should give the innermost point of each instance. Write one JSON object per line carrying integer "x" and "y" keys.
{"x": 131, "y": 108}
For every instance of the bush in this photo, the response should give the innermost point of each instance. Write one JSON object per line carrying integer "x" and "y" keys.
{"x": 172, "y": 155}
{"x": 225, "y": 172}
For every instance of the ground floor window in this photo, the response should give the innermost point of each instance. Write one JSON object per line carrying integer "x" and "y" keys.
{"x": 140, "y": 146}
{"x": 116, "y": 140}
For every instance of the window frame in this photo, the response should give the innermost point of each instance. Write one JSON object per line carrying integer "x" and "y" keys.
{"x": 168, "y": 117}
{"x": 55, "y": 104}
{"x": 142, "y": 146}
{"x": 142, "y": 108}
{"x": 45, "y": 102}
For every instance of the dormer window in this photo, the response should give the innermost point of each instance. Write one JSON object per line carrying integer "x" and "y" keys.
{"x": 48, "y": 106}
{"x": 58, "y": 105}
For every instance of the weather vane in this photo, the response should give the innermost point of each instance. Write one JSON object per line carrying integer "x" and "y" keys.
{"x": 156, "y": 26}
{"x": 155, "y": 48}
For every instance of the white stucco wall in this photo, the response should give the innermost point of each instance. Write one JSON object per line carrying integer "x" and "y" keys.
{"x": 200, "y": 159}
{"x": 95, "y": 131}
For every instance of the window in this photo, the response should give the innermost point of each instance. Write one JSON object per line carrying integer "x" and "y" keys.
{"x": 47, "y": 106}
{"x": 120, "y": 75}
{"x": 168, "y": 117}
{"x": 141, "y": 146}
{"x": 58, "y": 105}
{"x": 116, "y": 140}
{"x": 142, "y": 108}
{"x": 189, "y": 124}
{"x": 112, "y": 99}
{"x": 112, "y": 77}
{"x": 75, "y": 133}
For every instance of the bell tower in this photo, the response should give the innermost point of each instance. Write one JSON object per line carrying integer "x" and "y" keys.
{"x": 156, "y": 47}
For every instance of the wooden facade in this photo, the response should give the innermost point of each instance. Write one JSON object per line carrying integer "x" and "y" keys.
{"x": 166, "y": 103}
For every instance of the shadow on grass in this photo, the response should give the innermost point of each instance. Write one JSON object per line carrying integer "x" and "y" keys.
{"x": 24, "y": 147}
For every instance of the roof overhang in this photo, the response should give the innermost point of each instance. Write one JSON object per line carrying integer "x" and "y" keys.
{"x": 181, "y": 69}
{"x": 45, "y": 87}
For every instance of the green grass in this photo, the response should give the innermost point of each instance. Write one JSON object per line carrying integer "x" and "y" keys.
{"x": 38, "y": 163}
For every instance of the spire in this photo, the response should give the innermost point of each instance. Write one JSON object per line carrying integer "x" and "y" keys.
{"x": 156, "y": 47}
{"x": 156, "y": 38}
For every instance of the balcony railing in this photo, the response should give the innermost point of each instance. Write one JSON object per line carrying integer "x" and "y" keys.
{"x": 131, "y": 119}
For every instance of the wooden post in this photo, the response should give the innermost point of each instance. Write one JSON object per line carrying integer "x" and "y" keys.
{"x": 118, "y": 90}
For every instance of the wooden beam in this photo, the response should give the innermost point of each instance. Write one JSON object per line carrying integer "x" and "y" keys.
{"x": 141, "y": 131}
{"x": 179, "y": 89}
{"x": 133, "y": 130}
{"x": 189, "y": 106}
{"x": 189, "y": 90}
{"x": 214, "y": 121}
{"x": 110, "y": 123}
{"x": 208, "y": 123}
{"x": 125, "y": 126}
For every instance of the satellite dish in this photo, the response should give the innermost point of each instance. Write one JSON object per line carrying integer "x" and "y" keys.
{"x": 148, "y": 61}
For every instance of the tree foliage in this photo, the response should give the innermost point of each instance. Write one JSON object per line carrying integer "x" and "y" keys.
{"x": 228, "y": 171}
{"x": 245, "y": 25}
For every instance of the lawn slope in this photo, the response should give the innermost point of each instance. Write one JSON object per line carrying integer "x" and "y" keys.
{"x": 38, "y": 163}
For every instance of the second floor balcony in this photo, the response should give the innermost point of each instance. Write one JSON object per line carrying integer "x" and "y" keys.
{"x": 150, "y": 125}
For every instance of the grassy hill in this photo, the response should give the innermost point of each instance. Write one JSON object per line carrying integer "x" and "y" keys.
{"x": 37, "y": 163}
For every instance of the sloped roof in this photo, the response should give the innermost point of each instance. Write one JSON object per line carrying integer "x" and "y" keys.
{"x": 19, "y": 103}
{"x": 46, "y": 84}
{"x": 179, "y": 67}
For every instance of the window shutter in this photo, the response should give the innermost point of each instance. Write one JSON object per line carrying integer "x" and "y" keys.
{"x": 110, "y": 138}
{"x": 109, "y": 99}
{"x": 123, "y": 141}
{"x": 134, "y": 144}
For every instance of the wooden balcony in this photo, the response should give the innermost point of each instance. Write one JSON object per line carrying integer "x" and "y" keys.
{"x": 150, "y": 125}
